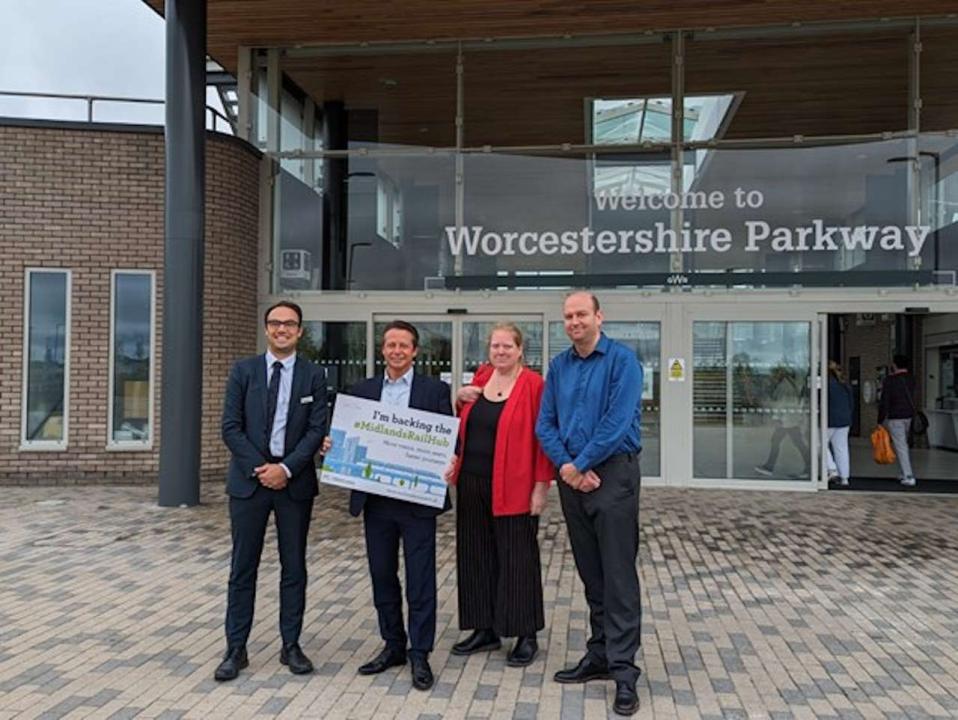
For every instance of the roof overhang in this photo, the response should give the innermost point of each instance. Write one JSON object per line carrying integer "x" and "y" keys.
{"x": 292, "y": 23}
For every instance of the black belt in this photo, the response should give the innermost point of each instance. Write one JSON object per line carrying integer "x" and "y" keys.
{"x": 619, "y": 457}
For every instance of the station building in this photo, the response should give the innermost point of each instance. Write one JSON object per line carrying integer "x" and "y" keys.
{"x": 750, "y": 189}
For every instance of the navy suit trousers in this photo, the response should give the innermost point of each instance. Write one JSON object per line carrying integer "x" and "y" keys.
{"x": 386, "y": 522}
{"x": 249, "y": 518}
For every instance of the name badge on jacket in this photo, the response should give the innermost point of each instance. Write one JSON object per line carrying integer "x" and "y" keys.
{"x": 306, "y": 400}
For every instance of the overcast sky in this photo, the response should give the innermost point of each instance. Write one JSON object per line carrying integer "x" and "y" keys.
{"x": 99, "y": 47}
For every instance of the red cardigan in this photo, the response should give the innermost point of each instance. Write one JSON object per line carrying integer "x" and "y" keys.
{"x": 519, "y": 461}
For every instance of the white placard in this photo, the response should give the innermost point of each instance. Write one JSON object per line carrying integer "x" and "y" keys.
{"x": 397, "y": 452}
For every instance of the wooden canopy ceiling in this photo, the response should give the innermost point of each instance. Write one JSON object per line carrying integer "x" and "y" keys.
{"x": 837, "y": 82}
{"x": 287, "y": 23}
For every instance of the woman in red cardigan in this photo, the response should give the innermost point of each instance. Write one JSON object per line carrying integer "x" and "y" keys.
{"x": 503, "y": 478}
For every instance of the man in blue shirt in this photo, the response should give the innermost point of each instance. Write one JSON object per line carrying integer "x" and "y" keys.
{"x": 589, "y": 427}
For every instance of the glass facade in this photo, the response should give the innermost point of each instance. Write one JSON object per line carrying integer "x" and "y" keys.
{"x": 725, "y": 161}
{"x": 644, "y": 338}
{"x": 340, "y": 347}
{"x": 795, "y": 161}
{"x": 47, "y": 359}
{"x": 475, "y": 345}
{"x": 132, "y": 348}
{"x": 434, "y": 357}
{"x": 751, "y": 400}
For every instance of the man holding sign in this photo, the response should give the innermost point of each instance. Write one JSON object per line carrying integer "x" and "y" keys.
{"x": 387, "y": 520}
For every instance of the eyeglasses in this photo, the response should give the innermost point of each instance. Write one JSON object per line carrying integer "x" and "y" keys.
{"x": 277, "y": 324}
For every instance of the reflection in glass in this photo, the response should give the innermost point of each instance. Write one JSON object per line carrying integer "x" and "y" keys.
{"x": 132, "y": 358}
{"x": 398, "y": 208}
{"x": 46, "y": 356}
{"x": 435, "y": 350}
{"x": 709, "y": 399}
{"x": 644, "y": 338}
{"x": 475, "y": 345}
{"x": 751, "y": 400}
{"x": 829, "y": 208}
{"x": 340, "y": 347}
{"x": 629, "y": 121}
{"x": 629, "y": 176}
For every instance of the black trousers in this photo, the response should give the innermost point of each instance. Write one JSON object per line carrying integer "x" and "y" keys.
{"x": 386, "y": 521}
{"x": 604, "y": 533}
{"x": 497, "y": 564}
{"x": 248, "y": 519}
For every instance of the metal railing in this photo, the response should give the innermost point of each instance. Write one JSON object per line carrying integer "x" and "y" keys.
{"x": 213, "y": 116}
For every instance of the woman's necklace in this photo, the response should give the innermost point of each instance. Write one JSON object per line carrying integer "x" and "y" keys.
{"x": 500, "y": 388}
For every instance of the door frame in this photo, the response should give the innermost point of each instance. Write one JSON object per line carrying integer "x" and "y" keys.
{"x": 456, "y": 321}
{"x": 731, "y": 312}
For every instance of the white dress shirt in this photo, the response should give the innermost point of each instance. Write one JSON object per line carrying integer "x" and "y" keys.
{"x": 396, "y": 392}
{"x": 277, "y": 440}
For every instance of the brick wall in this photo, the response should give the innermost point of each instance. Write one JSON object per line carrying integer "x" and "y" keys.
{"x": 873, "y": 344}
{"x": 91, "y": 200}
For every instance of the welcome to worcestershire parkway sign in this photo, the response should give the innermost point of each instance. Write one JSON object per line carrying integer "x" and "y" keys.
{"x": 755, "y": 235}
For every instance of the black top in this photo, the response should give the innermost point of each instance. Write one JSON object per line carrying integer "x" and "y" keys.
{"x": 898, "y": 397}
{"x": 481, "y": 437}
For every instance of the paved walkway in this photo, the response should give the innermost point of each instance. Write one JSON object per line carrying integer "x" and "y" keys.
{"x": 757, "y": 605}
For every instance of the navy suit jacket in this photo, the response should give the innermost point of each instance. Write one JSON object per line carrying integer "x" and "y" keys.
{"x": 244, "y": 426}
{"x": 426, "y": 394}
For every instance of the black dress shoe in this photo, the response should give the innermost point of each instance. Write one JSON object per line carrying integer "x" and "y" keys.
{"x": 586, "y": 670}
{"x": 626, "y": 699}
{"x": 479, "y": 641}
{"x": 383, "y": 661}
{"x": 524, "y": 652}
{"x": 298, "y": 663}
{"x": 422, "y": 678}
{"x": 233, "y": 661}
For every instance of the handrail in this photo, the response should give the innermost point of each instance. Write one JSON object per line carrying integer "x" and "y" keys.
{"x": 91, "y": 100}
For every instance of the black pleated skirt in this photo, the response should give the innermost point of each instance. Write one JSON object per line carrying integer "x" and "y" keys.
{"x": 497, "y": 564}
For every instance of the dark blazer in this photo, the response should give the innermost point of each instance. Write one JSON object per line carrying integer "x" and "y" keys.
{"x": 841, "y": 403}
{"x": 426, "y": 394}
{"x": 244, "y": 426}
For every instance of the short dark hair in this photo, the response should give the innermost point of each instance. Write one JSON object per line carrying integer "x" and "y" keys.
{"x": 901, "y": 362}
{"x": 286, "y": 304}
{"x": 403, "y": 325}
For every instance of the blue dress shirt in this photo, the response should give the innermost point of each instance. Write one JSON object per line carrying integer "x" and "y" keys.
{"x": 396, "y": 392}
{"x": 591, "y": 406}
{"x": 277, "y": 441}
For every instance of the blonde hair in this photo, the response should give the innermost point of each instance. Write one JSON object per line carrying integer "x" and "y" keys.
{"x": 509, "y": 327}
{"x": 835, "y": 369}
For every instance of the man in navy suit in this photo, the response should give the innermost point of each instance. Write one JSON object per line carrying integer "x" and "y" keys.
{"x": 274, "y": 421}
{"x": 387, "y": 520}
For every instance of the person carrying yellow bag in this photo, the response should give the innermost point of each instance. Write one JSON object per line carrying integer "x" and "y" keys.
{"x": 882, "y": 450}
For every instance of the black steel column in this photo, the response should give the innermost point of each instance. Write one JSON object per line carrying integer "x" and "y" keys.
{"x": 181, "y": 389}
{"x": 336, "y": 264}
{"x": 905, "y": 336}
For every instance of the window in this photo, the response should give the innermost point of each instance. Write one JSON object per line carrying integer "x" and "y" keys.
{"x": 389, "y": 211}
{"x": 46, "y": 366}
{"x": 751, "y": 397}
{"x": 633, "y": 121}
{"x": 131, "y": 360}
{"x": 630, "y": 121}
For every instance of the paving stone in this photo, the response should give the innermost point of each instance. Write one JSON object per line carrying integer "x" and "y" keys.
{"x": 756, "y": 604}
